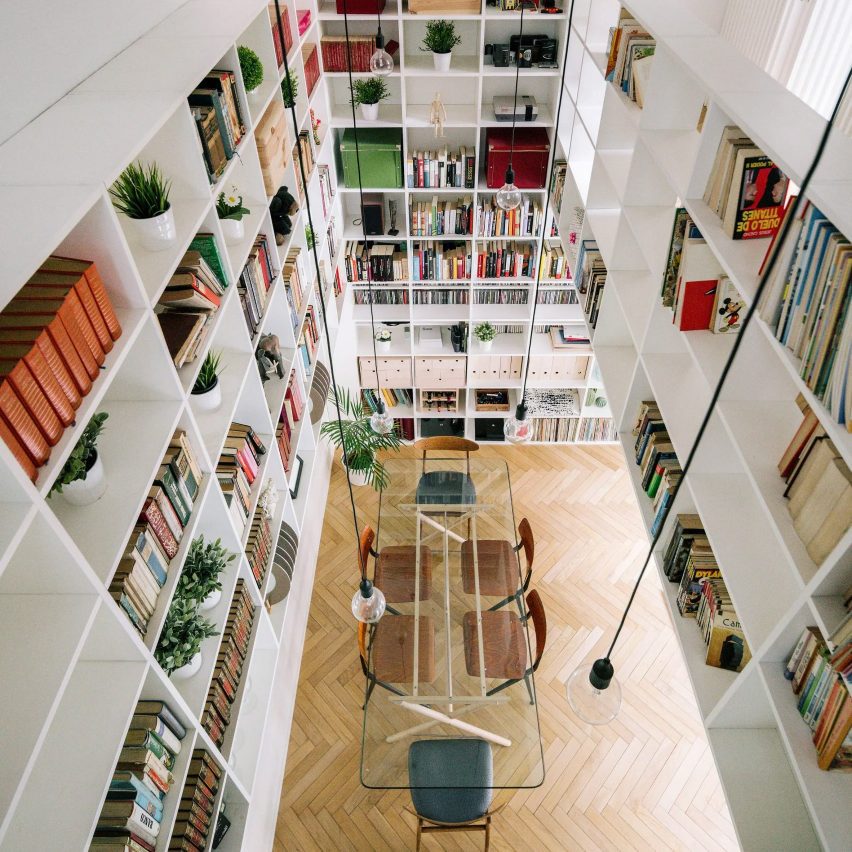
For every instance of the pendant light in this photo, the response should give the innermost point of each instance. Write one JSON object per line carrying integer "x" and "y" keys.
{"x": 381, "y": 62}
{"x": 509, "y": 196}
{"x": 368, "y": 603}
{"x": 595, "y": 694}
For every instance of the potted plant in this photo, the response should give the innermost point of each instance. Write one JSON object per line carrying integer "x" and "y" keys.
{"x": 142, "y": 194}
{"x": 309, "y": 237}
{"x": 440, "y": 39}
{"x": 354, "y": 435}
{"x": 179, "y": 648}
{"x": 485, "y": 334}
{"x": 199, "y": 581}
{"x": 230, "y": 210}
{"x": 207, "y": 390}
{"x": 251, "y": 68}
{"x": 290, "y": 89}
{"x": 81, "y": 480}
{"x": 383, "y": 340}
{"x": 368, "y": 93}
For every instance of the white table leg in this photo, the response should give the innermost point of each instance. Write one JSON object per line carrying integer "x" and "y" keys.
{"x": 456, "y": 723}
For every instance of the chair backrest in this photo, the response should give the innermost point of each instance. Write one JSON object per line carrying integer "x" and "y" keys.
{"x": 528, "y": 543}
{"x": 535, "y": 608}
{"x": 443, "y": 443}
{"x": 365, "y": 548}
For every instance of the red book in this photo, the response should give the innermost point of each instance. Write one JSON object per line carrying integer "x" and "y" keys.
{"x": 12, "y": 354}
{"x": 24, "y": 428}
{"x": 37, "y": 404}
{"x": 695, "y": 306}
{"x": 152, "y": 515}
{"x": 17, "y": 450}
{"x": 183, "y": 280}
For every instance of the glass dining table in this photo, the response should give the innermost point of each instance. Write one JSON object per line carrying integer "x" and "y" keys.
{"x": 452, "y": 656}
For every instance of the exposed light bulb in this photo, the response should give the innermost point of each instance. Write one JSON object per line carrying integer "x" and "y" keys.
{"x": 381, "y": 62}
{"x": 381, "y": 421}
{"x": 368, "y": 603}
{"x": 517, "y": 429}
{"x": 509, "y": 196}
{"x": 594, "y": 694}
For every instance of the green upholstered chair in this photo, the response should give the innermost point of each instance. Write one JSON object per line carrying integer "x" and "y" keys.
{"x": 450, "y": 782}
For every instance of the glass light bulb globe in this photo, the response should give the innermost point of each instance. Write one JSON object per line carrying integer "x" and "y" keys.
{"x": 381, "y": 62}
{"x": 518, "y": 429}
{"x": 593, "y": 692}
{"x": 508, "y": 197}
{"x": 381, "y": 422}
{"x": 368, "y": 603}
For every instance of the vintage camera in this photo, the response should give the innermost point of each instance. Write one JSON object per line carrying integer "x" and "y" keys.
{"x": 533, "y": 50}
{"x": 500, "y": 54}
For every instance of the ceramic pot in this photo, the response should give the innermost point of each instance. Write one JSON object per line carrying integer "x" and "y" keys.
{"x": 369, "y": 112}
{"x": 158, "y": 233}
{"x": 383, "y": 345}
{"x": 189, "y": 670}
{"x": 357, "y": 477}
{"x": 485, "y": 345}
{"x": 442, "y": 61}
{"x": 233, "y": 230}
{"x": 209, "y": 400}
{"x": 86, "y": 491}
{"x": 211, "y": 600}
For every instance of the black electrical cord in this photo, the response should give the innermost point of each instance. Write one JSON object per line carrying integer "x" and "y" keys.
{"x": 510, "y": 171}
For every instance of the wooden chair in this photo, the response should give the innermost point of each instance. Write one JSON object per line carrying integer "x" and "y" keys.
{"x": 395, "y": 568}
{"x": 438, "y": 771}
{"x": 445, "y": 486}
{"x": 498, "y": 566}
{"x": 505, "y": 650}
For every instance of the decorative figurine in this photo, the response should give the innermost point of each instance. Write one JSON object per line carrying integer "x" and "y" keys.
{"x": 268, "y": 499}
{"x": 438, "y": 115}
{"x": 269, "y": 359}
{"x": 315, "y": 123}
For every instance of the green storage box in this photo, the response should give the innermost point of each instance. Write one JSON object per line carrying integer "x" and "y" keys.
{"x": 380, "y": 150}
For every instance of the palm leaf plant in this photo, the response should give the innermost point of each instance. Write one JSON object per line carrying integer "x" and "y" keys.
{"x": 141, "y": 192}
{"x": 84, "y": 454}
{"x": 184, "y": 630}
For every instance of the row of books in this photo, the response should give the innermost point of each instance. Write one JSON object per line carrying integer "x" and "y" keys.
{"x": 441, "y": 169}
{"x": 380, "y": 297}
{"x": 132, "y": 811}
{"x": 820, "y": 677}
{"x": 591, "y": 279}
{"x": 391, "y": 397}
{"x": 280, "y": 49}
{"x": 237, "y": 470}
{"x": 557, "y": 185}
{"x": 229, "y": 665}
{"x": 437, "y": 260}
{"x": 310, "y": 61}
{"x": 309, "y": 340}
{"x": 190, "y": 300}
{"x": 254, "y": 283}
{"x": 385, "y": 262}
{"x": 404, "y": 428}
{"x": 655, "y": 455}
{"x": 554, "y": 262}
{"x": 154, "y": 542}
{"x": 554, "y": 430}
{"x": 807, "y": 305}
{"x": 596, "y": 429}
{"x": 702, "y": 594}
{"x": 54, "y": 337}
{"x": 746, "y": 190}
{"x": 215, "y": 106}
{"x": 562, "y": 296}
{"x": 259, "y": 545}
{"x": 506, "y": 260}
{"x": 305, "y": 145}
{"x": 197, "y": 808}
{"x": 569, "y": 336}
{"x": 439, "y": 217}
{"x": 335, "y": 55}
{"x": 327, "y": 193}
{"x": 290, "y": 414}
{"x": 295, "y": 279}
{"x": 819, "y": 486}
{"x": 523, "y": 221}
{"x": 630, "y": 53}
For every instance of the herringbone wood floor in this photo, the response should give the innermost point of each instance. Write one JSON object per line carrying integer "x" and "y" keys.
{"x": 647, "y": 781}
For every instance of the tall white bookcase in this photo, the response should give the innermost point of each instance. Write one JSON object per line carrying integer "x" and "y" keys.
{"x": 72, "y": 664}
{"x": 633, "y": 167}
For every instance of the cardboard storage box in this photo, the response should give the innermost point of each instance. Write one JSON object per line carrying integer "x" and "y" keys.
{"x": 272, "y": 147}
{"x": 380, "y": 151}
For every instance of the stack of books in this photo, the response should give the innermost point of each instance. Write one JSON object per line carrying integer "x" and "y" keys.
{"x": 309, "y": 340}
{"x": 590, "y": 279}
{"x": 155, "y": 539}
{"x": 391, "y": 397}
{"x": 215, "y": 106}
{"x": 688, "y": 530}
{"x": 439, "y": 217}
{"x": 294, "y": 284}
{"x": 259, "y": 545}
{"x": 237, "y": 470}
{"x": 506, "y": 260}
{"x": 720, "y": 627}
{"x": 229, "y": 665}
{"x": 523, "y": 221}
{"x": 656, "y": 458}
{"x": 291, "y": 413}
{"x": 133, "y": 809}
{"x": 280, "y": 50}
{"x": 434, "y": 260}
{"x": 631, "y": 51}
{"x": 197, "y": 809}
{"x": 54, "y": 336}
{"x": 746, "y": 190}
{"x": 387, "y": 262}
{"x": 255, "y": 280}
{"x": 441, "y": 169}
{"x": 568, "y": 336}
{"x": 807, "y": 305}
{"x": 819, "y": 486}
{"x": 820, "y": 673}
{"x": 554, "y": 262}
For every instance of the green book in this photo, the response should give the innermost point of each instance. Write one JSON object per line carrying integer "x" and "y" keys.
{"x": 166, "y": 478}
{"x": 139, "y": 742}
{"x": 205, "y": 245}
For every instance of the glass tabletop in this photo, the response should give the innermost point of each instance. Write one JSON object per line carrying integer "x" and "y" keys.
{"x": 452, "y": 657}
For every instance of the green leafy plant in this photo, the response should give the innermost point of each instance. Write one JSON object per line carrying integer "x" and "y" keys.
{"x": 205, "y": 563}
{"x": 231, "y": 206}
{"x": 84, "y": 454}
{"x": 183, "y": 632}
{"x": 290, "y": 89}
{"x": 484, "y": 331}
{"x": 369, "y": 90}
{"x": 357, "y": 439}
{"x": 141, "y": 192}
{"x": 209, "y": 373}
{"x": 440, "y": 37}
{"x": 251, "y": 67}
{"x": 309, "y": 237}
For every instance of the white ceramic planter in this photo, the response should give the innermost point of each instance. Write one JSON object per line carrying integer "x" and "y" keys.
{"x": 383, "y": 345}
{"x": 209, "y": 401}
{"x": 485, "y": 345}
{"x": 233, "y": 231}
{"x": 211, "y": 600}
{"x": 86, "y": 491}
{"x": 189, "y": 670}
{"x": 442, "y": 61}
{"x": 369, "y": 112}
{"x": 158, "y": 233}
{"x": 357, "y": 477}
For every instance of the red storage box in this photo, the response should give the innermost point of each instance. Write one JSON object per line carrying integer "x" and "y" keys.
{"x": 532, "y": 153}
{"x": 361, "y": 7}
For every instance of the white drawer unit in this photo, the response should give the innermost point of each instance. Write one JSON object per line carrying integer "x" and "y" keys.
{"x": 392, "y": 372}
{"x": 558, "y": 368}
{"x": 445, "y": 372}
{"x": 495, "y": 367}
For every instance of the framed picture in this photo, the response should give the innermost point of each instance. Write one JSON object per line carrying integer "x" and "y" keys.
{"x": 295, "y": 476}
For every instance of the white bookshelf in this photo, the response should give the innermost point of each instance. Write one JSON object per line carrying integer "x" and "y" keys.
{"x": 63, "y": 730}
{"x": 633, "y": 167}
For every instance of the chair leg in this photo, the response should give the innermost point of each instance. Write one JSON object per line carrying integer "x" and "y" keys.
{"x": 529, "y": 688}
{"x": 419, "y": 833}
{"x": 371, "y": 685}
{"x": 391, "y": 610}
{"x": 505, "y": 601}
{"x": 487, "y": 833}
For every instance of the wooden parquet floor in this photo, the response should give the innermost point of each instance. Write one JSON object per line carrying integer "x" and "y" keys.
{"x": 646, "y": 781}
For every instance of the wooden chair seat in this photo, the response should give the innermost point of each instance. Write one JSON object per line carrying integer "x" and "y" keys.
{"x": 498, "y": 568}
{"x": 504, "y": 645}
{"x": 395, "y": 568}
{"x": 392, "y": 649}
